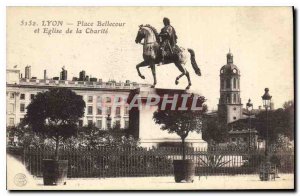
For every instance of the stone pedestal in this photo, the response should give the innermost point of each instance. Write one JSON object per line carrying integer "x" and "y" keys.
{"x": 142, "y": 125}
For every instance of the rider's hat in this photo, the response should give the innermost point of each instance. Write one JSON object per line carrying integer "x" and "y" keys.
{"x": 166, "y": 20}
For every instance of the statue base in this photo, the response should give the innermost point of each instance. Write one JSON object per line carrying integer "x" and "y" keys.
{"x": 142, "y": 125}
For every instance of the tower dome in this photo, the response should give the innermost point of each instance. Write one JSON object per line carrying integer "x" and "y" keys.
{"x": 230, "y": 68}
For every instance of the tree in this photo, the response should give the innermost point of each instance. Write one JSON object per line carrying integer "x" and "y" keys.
{"x": 214, "y": 130}
{"x": 55, "y": 114}
{"x": 280, "y": 121}
{"x": 91, "y": 136}
{"x": 94, "y": 137}
{"x": 289, "y": 108}
{"x": 24, "y": 136}
{"x": 181, "y": 122}
{"x": 118, "y": 137}
{"x": 283, "y": 143}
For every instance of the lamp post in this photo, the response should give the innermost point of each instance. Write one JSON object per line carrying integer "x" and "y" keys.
{"x": 249, "y": 107}
{"x": 266, "y": 98}
{"x": 108, "y": 121}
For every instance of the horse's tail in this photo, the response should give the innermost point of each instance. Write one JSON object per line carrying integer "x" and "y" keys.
{"x": 193, "y": 62}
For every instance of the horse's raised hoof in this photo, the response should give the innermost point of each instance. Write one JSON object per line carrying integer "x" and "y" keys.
{"x": 188, "y": 87}
{"x": 143, "y": 77}
{"x": 152, "y": 86}
{"x": 176, "y": 82}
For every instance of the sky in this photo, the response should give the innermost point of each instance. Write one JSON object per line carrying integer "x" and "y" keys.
{"x": 260, "y": 38}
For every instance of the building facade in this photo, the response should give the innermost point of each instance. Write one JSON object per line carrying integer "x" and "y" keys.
{"x": 101, "y": 108}
{"x": 99, "y": 97}
{"x": 244, "y": 137}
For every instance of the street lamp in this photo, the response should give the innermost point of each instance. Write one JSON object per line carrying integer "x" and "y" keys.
{"x": 108, "y": 121}
{"x": 267, "y": 104}
{"x": 249, "y": 107}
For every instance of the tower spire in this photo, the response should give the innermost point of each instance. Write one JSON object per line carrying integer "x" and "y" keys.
{"x": 229, "y": 57}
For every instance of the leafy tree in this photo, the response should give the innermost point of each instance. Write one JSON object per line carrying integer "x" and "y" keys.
{"x": 93, "y": 137}
{"x": 289, "y": 108}
{"x": 214, "y": 130}
{"x": 280, "y": 121}
{"x": 11, "y": 133}
{"x": 55, "y": 114}
{"x": 25, "y": 137}
{"x": 119, "y": 138}
{"x": 181, "y": 122}
{"x": 283, "y": 143}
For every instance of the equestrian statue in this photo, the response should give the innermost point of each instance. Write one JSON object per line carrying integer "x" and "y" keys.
{"x": 161, "y": 49}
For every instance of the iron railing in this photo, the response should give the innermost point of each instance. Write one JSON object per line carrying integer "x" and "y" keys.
{"x": 126, "y": 162}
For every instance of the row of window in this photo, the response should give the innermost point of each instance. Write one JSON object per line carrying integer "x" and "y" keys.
{"x": 229, "y": 100}
{"x": 22, "y": 96}
{"x": 108, "y": 110}
{"x": 90, "y": 98}
{"x": 11, "y": 121}
{"x": 11, "y": 108}
{"x": 99, "y": 123}
{"x": 89, "y": 112}
{"x": 227, "y": 84}
{"x": 99, "y": 99}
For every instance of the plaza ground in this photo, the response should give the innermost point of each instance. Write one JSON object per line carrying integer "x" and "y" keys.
{"x": 286, "y": 181}
{"x": 14, "y": 168}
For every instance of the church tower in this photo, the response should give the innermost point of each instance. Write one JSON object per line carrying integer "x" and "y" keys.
{"x": 230, "y": 105}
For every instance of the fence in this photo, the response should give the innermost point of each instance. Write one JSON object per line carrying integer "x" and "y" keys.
{"x": 126, "y": 162}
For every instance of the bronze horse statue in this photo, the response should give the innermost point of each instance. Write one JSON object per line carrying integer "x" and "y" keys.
{"x": 151, "y": 55}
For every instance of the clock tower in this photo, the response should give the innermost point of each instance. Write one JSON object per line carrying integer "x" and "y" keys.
{"x": 230, "y": 105}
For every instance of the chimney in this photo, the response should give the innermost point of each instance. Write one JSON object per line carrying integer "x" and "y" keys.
{"x": 82, "y": 75}
{"x": 93, "y": 79}
{"x": 45, "y": 74}
{"x": 63, "y": 74}
{"x": 28, "y": 72}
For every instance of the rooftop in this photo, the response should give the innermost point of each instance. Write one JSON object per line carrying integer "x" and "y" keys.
{"x": 77, "y": 84}
{"x": 243, "y": 131}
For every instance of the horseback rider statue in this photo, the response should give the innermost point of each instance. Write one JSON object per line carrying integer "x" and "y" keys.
{"x": 161, "y": 48}
{"x": 168, "y": 40}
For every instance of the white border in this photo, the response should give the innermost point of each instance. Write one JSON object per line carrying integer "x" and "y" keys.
{"x": 149, "y": 3}
{"x": 108, "y": 3}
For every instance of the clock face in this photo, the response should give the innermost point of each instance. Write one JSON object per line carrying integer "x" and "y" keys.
{"x": 234, "y": 71}
{"x": 222, "y": 71}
